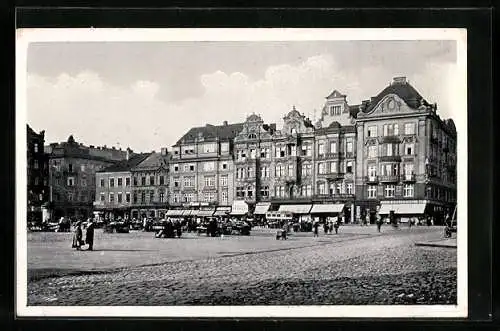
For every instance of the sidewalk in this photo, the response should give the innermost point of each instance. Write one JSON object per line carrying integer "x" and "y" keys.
{"x": 443, "y": 242}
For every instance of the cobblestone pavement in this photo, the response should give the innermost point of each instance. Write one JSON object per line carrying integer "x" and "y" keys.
{"x": 354, "y": 268}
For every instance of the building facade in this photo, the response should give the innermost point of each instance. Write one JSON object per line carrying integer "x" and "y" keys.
{"x": 114, "y": 189}
{"x": 391, "y": 153}
{"x": 202, "y": 167}
{"x": 38, "y": 176}
{"x": 72, "y": 180}
{"x": 150, "y": 186}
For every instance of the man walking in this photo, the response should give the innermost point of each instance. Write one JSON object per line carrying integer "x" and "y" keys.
{"x": 89, "y": 234}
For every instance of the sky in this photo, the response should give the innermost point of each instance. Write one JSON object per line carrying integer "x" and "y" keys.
{"x": 146, "y": 95}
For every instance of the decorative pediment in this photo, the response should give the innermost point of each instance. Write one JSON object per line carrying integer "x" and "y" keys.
{"x": 390, "y": 104}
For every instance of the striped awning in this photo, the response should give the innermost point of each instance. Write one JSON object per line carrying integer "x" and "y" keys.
{"x": 189, "y": 212}
{"x": 205, "y": 212}
{"x": 174, "y": 212}
{"x": 403, "y": 208}
{"x": 327, "y": 208}
{"x": 295, "y": 209}
{"x": 261, "y": 208}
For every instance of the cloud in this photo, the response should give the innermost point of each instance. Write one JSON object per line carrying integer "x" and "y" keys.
{"x": 97, "y": 112}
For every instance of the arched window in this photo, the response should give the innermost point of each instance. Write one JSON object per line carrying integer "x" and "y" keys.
{"x": 252, "y": 136}
{"x": 294, "y": 130}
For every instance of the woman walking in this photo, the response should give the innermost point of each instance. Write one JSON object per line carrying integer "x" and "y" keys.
{"x": 89, "y": 234}
{"x": 77, "y": 236}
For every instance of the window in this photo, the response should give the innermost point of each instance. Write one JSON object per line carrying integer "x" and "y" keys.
{"x": 71, "y": 181}
{"x": 306, "y": 169}
{"x": 127, "y": 181}
{"x": 280, "y": 171}
{"x": 333, "y": 147}
{"x": 265, "y": 153}
{"x": 252, "y": 136}
{"x": 408, "y": 169}
{"x": 176, "y": 182}
{"x": 372, "y": 131}
{"x": 208, "y": 197}
{"x": 389, "y": 191}
{"x": 264, "y": 191}
{"x": 82, "y": 167}
{"x": 307, "y": 150}
{"x": 224, "y": 196}
{"x": 35, "y": 147}
{"x": 409, "y": 128}
{"x": 224, "y": 147}
{"x": 335, "y": 110}
{"x": 210, "y": 181}
{"x": 189, "y": 181}
{"x": 111, "y": 197}
{"x": 177, "y": 198}
{"x": 103, "y": 197}
{"x": 191, "y": 167}
{"x": 224, "y": 166}
{"x": 264, "y": 172}
{"x": 208, "y": 166}
{"x": 240, "y": 191}
{"x": 349, "y": 167}
{"x": 409, "y": 149}
{"x": 70, "y": 167}
{"x": 102, "y": 182}
{"x": 120, "y": 181}
{"x": 321, "y": 168}
{"x": 331, "y": 188}
{"x": 321, "y": 188}
{"x": 143, "y": 196}
{"x": 250, "y": 172}
{"x": 151, "y": 180}
{"x": 279, "y": 191}
{"x": 119, "y": 196}
{"x": 372, "y": 151}
{"x": 176, "y": 167}
{"x": 127, "y": 197}
{"x": 292, "y": 150}
{"x": 209, "y": 148}
{"x": 290, "y": 170}
{"x": 349, "y": 147}
{"x": 143, "y": 181}
{"x": 321, "y": 149}
{"x": 135, "y": 181}
{"x": 135, "y": 197}
{"x": 83, "y": 182}
{"x": 70, "y": 196}
{"x": 253, "y": 153}
{"x": 35, "y": 164}
{"x": 111, "y": 182}
{"x": 372, "y": 191}
{"x": 36, "y": 180}
{"x": 391, "y": 130}
{"x": 349, "y": 188}
{"x": 396, "y": 129}
{"x": 408, "y": 190}
{"x": 340, "y": 188}
{"x": 162, "y": 180}
{"x": 389, "y": 169}
{"x": 223, "y": 181}
{"x": 372, "y": 172}
{"x": 333, "y": 167}
{"x": 240, "y": 173}
{"x": 188, "y": 149}
{"x": 151, "y": 195}
{"x": 241, "y": 155}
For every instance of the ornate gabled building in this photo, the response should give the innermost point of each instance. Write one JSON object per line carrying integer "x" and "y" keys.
{"x": 37, "y": 176}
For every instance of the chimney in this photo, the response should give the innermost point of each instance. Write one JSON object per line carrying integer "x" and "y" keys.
{"x": 91, "y": 146}
{"x": 399, "y": 80}
{"x": 224, "y": 123}
{"x": 128, "y": 154}
{"x": 164, "y": 151}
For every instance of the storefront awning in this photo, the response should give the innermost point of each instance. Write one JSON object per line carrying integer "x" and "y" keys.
{"x": 189, "y": 212}
{"x": 174, "y": 212}
{"x": 403, "y": 208}
{"x": 295, "y": 209}
{"x": 239, "y": 208}
{"x": 327, "y": 208}
{"x": 205, "y": 212}
{"x": 261, "y": 208}
{"x": 222, "y": 211}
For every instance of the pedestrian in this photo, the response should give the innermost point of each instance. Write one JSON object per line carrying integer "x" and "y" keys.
{"x": 325, "y": 227}
{"x": 77, "y": 236}
{"x": 316, "y": 226}
{"x": 89, "y": 234}
{"x": 379, "y": 223}
{"x": 336, "y": 226}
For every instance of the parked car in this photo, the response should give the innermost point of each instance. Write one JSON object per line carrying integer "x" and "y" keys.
{"x": 117, "y": 226}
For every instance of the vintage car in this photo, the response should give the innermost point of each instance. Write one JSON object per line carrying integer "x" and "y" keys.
{"x": 242, "y": 228}
{"x": 117, "y": 227}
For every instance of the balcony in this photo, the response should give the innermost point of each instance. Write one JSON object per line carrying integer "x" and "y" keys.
{"x": 408, "y": 178}
{"x": 290, "y": 180}
{"x": 371, "y": 179}
{"x": 390, "y": 139}
{"x": 389, "y": 179}
{"x": 392, "y": 158}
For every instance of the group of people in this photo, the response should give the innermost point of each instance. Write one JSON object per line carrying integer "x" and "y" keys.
{"x": 78, "y": 241}
{"x": 171, "y": 229}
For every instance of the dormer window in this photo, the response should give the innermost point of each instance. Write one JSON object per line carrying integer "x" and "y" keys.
{"x": 252, "y": 136}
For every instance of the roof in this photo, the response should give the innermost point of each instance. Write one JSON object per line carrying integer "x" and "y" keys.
{"x": 403, "y": 90}
{"x": 152, "y": 161}
{"x": 335, "y": 94}
{"x": 223, "y": 132}
{"x": 126, "y": 165}
{"x": 354, "y": 110}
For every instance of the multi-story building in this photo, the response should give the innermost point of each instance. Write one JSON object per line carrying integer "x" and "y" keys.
{"x": 72, "y": 169}
{"x": 407, "y": 158}
{"x": 201, "y": 167}
{"x": 391, "y": 153}
{"x": 150, "y": 186}
{"x": 114, "y": 188}
{"x": 38, "y": 176}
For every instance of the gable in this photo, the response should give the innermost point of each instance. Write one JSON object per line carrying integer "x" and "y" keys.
{"x": 391, "y": 104}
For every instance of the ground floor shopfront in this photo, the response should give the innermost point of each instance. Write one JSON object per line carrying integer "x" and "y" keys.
{"x": 73, "y": 211}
